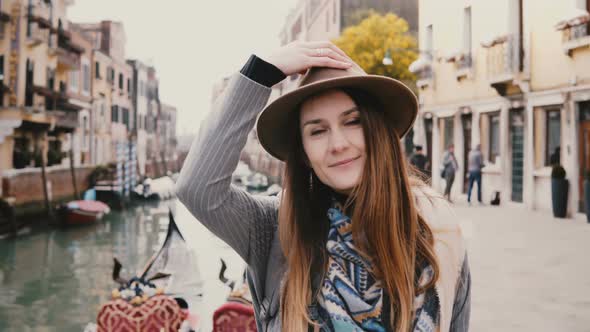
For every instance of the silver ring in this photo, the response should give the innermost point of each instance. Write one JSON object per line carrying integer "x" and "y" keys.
{"x": 320, "y": 51}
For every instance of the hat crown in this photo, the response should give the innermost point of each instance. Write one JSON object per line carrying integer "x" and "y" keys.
{"x": 318, "y": 74}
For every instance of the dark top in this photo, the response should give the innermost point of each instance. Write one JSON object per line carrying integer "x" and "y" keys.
{"x": 419, "y": 160}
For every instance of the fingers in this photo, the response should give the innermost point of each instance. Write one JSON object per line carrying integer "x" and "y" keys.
{"x": 327, "y": 44}
{"x": 328, "y": 52}
{"x": 329, "y": 62}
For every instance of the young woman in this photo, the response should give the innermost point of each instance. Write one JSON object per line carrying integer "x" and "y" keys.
{"x": 353, "y": 243}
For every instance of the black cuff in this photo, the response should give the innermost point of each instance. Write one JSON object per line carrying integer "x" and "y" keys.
{"x": 262, "y": 72}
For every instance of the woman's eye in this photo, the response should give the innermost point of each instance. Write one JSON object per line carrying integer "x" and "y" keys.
{"x": 316, "y": 132}
{"x": 354, "y": 121}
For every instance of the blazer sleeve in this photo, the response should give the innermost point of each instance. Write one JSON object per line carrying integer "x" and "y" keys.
{"x": 243, "y": 221}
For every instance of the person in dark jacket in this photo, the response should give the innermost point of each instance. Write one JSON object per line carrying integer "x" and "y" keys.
{"x": 475, "y": 164}
{"x": 450, "y": 167}
{"x": 419, "y": 160}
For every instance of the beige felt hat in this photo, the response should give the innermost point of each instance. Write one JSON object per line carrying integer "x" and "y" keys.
{"x": 398, "y": 101}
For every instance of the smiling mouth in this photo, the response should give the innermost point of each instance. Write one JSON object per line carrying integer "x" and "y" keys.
{"x": 343, "y": 162}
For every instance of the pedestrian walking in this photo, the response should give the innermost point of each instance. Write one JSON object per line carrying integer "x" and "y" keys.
{"x": 419, "y": 160}
{"x": 353, "y": 242}
{"x": 475, "y": 165}
{"x": 449, "y": 168}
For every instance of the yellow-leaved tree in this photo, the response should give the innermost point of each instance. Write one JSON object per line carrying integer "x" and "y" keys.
{"x": 368, "y": 42}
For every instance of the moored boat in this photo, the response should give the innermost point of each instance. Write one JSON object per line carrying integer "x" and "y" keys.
{"x": 83, "y": 212}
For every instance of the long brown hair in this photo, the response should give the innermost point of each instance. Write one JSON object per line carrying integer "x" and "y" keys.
{"x": 386, "y": 225}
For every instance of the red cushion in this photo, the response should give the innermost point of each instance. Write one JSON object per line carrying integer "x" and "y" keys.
{"x": 234, "y": 317}
{"x": 158, "y": 313}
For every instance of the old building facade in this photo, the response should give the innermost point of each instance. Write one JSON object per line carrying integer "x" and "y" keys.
{"x": 514, "y": 77}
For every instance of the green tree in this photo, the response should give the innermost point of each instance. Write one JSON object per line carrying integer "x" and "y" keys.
{"x": 367, "y": 43}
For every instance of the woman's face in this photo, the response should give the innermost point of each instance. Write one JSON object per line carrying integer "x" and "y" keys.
{"x": 333, "y": 139}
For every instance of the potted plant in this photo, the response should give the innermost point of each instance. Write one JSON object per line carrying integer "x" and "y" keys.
{"x": 587, "y": 194}
{"x": 559, "y": 191}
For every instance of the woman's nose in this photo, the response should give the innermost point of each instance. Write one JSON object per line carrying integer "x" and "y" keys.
{"x": 338, "y": 141}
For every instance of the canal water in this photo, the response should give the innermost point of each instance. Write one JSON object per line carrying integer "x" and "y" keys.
{"x": 54, "y": 279}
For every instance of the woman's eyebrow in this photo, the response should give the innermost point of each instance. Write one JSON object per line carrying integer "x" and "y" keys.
{"x": 345, "y": 113}
{"x": 310, "y": 122}
{"x": 352, "y": 110}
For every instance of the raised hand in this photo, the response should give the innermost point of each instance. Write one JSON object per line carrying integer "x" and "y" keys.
{"x": 297, "y": 57}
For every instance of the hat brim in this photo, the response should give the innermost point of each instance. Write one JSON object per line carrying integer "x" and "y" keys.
{"x": 398, "y": 101}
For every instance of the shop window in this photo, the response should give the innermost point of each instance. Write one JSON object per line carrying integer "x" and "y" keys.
{"x": 547, "y": 136}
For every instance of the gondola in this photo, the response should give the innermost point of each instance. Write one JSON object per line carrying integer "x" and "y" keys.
{"x": 237, "y": 313}
{"x": 162, "y": 298}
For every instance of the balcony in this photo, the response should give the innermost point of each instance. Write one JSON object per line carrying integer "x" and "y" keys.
{"x": 4, "y": 16}
{"x": 464, "y": 66}
{"x": 576, "y": 37}
{"x": 68, "y": 53}
{"x": 423, "y": 70}
{"x": 67, "y": 60}
{"x": 64, "y": 120}
{"x": 505, "y": 62}
{"x": 37, "y": 36}
{"x": 40, "y": 16}
{"x": 43, "y": 91}
{"x": 575, "y": 29}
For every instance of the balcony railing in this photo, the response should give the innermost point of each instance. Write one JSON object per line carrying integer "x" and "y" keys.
{"x": 37, "y": 35}
{"x": 575, "y": 36}
{"x": 501, "y": 59}
{"x": 39, "y": 15}
{"x": 464, "y": 61}
{"x": 422, "y": 68}
{"x": 67, "y": 59}
{"x": 4, "y": 16}
{"x": 575, "y": 32}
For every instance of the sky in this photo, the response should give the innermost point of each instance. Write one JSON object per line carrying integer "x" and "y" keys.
{"x": 193, "y": 44}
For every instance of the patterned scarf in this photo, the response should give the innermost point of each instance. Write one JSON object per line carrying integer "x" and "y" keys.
{"x": 350, "y": 299}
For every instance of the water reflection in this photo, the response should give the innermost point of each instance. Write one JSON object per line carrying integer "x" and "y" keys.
{"x": 56, "y": 279}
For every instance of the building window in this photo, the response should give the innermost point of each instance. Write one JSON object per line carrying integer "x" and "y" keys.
{"x": 552, "y": 154}
{"x": 97, "y": 70}
{"x": 490, "y": 136}
{"x": 547, "y": 136}
{"x": 86, "y": 78}
{"x": 129, "y": 86}
{"x": 126, "y": 117}
{"x": 467, "y": 30}
{"x": 120, "y": 81}
{"x": 85, "y": 131}
{"x": 111, "y": 77}
{"x": 494, "y": 151}
{"x": 114, "y": 113}
{"x": 429, "y": 41}
{"x": 446, "y": 131}
{"x": 74, "y": 80}
{"x": 50, "y": 78}
{"x": 1, "y": 80}
{"x": 30, "y": 74}
{"x": 334, "y": 11}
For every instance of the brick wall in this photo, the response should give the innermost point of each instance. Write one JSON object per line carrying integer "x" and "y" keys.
{"x": 26, "y": 185}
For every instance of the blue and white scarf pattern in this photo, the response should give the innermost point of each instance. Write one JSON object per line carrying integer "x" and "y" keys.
{"x": 350, "y": 298}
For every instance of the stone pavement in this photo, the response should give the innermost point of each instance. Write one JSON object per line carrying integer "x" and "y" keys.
{"x": 530, "y": 271}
